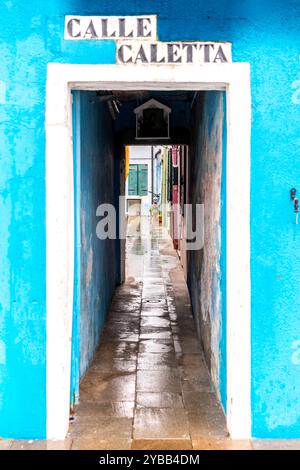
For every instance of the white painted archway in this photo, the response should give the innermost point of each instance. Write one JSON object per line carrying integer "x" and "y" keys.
{"x": 61, "y": 79}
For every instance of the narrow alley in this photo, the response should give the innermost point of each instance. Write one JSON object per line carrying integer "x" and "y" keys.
{"x": 148, "y": 386}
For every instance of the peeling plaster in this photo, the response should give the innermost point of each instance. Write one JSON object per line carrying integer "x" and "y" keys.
{"x": 98, "y": 257}
{"x": 206, "y": 189}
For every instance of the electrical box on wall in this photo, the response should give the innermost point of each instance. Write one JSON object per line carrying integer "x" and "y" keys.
{"x": 152, "y": 120}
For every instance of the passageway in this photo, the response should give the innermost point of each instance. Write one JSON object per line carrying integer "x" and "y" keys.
{"x": 148, "y": 357}
{"x": 148, "y": 367}
{"x": 148, "y": 386}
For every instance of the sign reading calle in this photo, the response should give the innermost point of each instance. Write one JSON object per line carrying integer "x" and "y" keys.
{"x": 136, "y": 41}
{"x": 110, "y": 27}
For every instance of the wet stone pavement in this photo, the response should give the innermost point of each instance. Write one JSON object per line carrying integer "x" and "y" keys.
{"x": 148, "y": 386}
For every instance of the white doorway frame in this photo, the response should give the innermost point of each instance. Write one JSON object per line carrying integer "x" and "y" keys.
{"x": 61, "y": 79}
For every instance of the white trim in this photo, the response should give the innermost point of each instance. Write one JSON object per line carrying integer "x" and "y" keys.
{"x": 61, "y": 78}
{"x": 238, "y": 258}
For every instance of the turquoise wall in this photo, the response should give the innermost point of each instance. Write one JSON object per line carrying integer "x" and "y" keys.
{"x": 264, "y": 33}
{"x": 98, "y": 260}
{"x": 223, "y": 259}
{"x": 207, "y": 267}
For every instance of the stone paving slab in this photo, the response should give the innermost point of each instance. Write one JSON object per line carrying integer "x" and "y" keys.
{"x": 161, "y": 423}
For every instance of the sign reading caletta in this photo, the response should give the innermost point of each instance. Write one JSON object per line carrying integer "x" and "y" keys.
{"x": 136, "y": 40}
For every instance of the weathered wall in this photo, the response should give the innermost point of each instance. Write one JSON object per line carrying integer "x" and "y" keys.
{"x": 264, "y": 33}
{"x": 204, "y": 273}
{"x": 98, "y": 275}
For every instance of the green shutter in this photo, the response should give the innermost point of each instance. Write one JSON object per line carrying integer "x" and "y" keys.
{"x": 133, "y": 180}
{"x": 138, "y": 180}
{"x": 143, "y": 180}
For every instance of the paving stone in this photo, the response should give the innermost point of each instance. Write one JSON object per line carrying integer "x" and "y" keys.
{"x": 89, "y": 411}
{"x": 196, "y": 386}
{"x": 102, "y": 428}
{"x": 156, "y": 346}
{"x": 194, "y": 375}
{"x": 194, "y": 361}
{"x": 154, "y": 303}
{"x": 161, "y": 444}
{"x": 155, "y": 312}
{"x": 108, "y": 386}
{"x": 151, "y": 291}
{"x": 220, "y": 444}
{"x": 155, "y": 322}
{"x": 207, "y": 425}
{"x": 115, "y": 364}
{"x": 187, "y": 346}
{"x": 159, "y": 400}
{"x": 121, "y": 349}
{"x": 123, "y": 315}
{"x": 158, "y": 381}
{"x": 114, "y": 327}
{"x": 166, "y": 423}
{"x": 94, "y": 443}
{"x": 153, "y": 361}
{"x": 115, "y": 335}
{"x": 202, "y": 402}
{"x": 155, "y": 333}
{"x": 153, "y": 281}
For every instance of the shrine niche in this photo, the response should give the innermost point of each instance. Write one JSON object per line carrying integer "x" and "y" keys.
{"x": 152, "y": 120}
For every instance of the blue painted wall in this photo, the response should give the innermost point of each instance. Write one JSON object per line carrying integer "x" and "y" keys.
{"x": 98, "y": 260}
{"x": 264, "y": 33}
{"x": 223, "y": 259}
{"x": 206, "y": 267}
{"x": 75, "y": 350}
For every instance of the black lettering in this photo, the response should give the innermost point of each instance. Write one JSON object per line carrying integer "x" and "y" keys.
{"x": 220, "y": 56}
{"x": 122, "y": 29}
{"x": 189, "y": 51}
{"x": 91, "y": 32}
{"x": 153, "y": 55}
{"x": 104, "y": 28}
{"x": 70, "y": 28}
{"x": 121, "y": 54}
{"x": 173, "y": 54}
{"x": 207, "y": 52}
{"x": 141, "y": 56}
{"x": 104, "y": 23}
{"x": 142, "y": 28}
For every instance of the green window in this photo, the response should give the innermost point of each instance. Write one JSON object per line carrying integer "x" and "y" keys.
{"x": 138, "y": 180}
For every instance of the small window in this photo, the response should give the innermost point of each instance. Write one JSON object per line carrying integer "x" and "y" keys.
{"x": 138, "y": 180}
